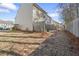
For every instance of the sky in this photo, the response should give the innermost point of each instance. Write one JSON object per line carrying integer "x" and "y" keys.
{"x": 53, "y": 10}
{"x": 8, "y": 11}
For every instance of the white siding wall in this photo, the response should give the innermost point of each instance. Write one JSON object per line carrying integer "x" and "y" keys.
{"x": 38, "y": 20}
{"x": 24, "y": 17}
{"x": 73, "y": 27}
{"x": 76, "y": 27}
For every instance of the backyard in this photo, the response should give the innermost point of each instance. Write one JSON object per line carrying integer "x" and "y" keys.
{"x": 20, "y": 43}
{"x": 56, "y": 43}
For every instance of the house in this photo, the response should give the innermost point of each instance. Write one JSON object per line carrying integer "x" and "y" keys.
{"x": 24, "y": 16}
{"x": 31, "y": 17}
{"x": 71, "y": 14}
{"x": 49, "y": 25}
{"x": 39, "y": 18}
{"x": 6, "y": 25}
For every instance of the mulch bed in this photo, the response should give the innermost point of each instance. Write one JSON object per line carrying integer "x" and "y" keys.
{"x": 74, "y": 40}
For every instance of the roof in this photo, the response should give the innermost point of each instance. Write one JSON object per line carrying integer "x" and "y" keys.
{"x": 37, "y": 6}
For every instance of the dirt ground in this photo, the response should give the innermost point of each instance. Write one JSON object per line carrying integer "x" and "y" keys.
{"x": 20, "y": 43}
{"x": 57, "y": 43}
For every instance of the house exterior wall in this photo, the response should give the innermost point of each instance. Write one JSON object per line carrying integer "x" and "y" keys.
{"x": 73, "y": 27}
{"x": 39, "y": 18}
{"x": 72, "y": 24}
{"x": 24, "y": 17}
{"x": 31, "y": 17}
{"x": 49, "y": 25}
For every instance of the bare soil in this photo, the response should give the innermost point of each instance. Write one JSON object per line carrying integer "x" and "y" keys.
{"x": 20, "y": 43}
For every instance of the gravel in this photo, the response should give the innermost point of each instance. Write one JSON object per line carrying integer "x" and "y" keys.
{"x": 58, "y": 45}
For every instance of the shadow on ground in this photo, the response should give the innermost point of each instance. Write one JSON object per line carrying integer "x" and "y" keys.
{"x": 44, "y": 49}
{"x": 56, "y": 45}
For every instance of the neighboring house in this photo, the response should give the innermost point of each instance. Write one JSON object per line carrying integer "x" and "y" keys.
{"x": 49, "y": 25}
{"x": 71, "y": 14}
{"x": 39, "y": 18}
{"x": 48, "y": 19}
{"x": 6, "y": 25}
{"x": 24, "y": 16}
{"x": 55, "y": 25}
{"x": 60, "y": 26}
{"x": 31, "y": 17}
